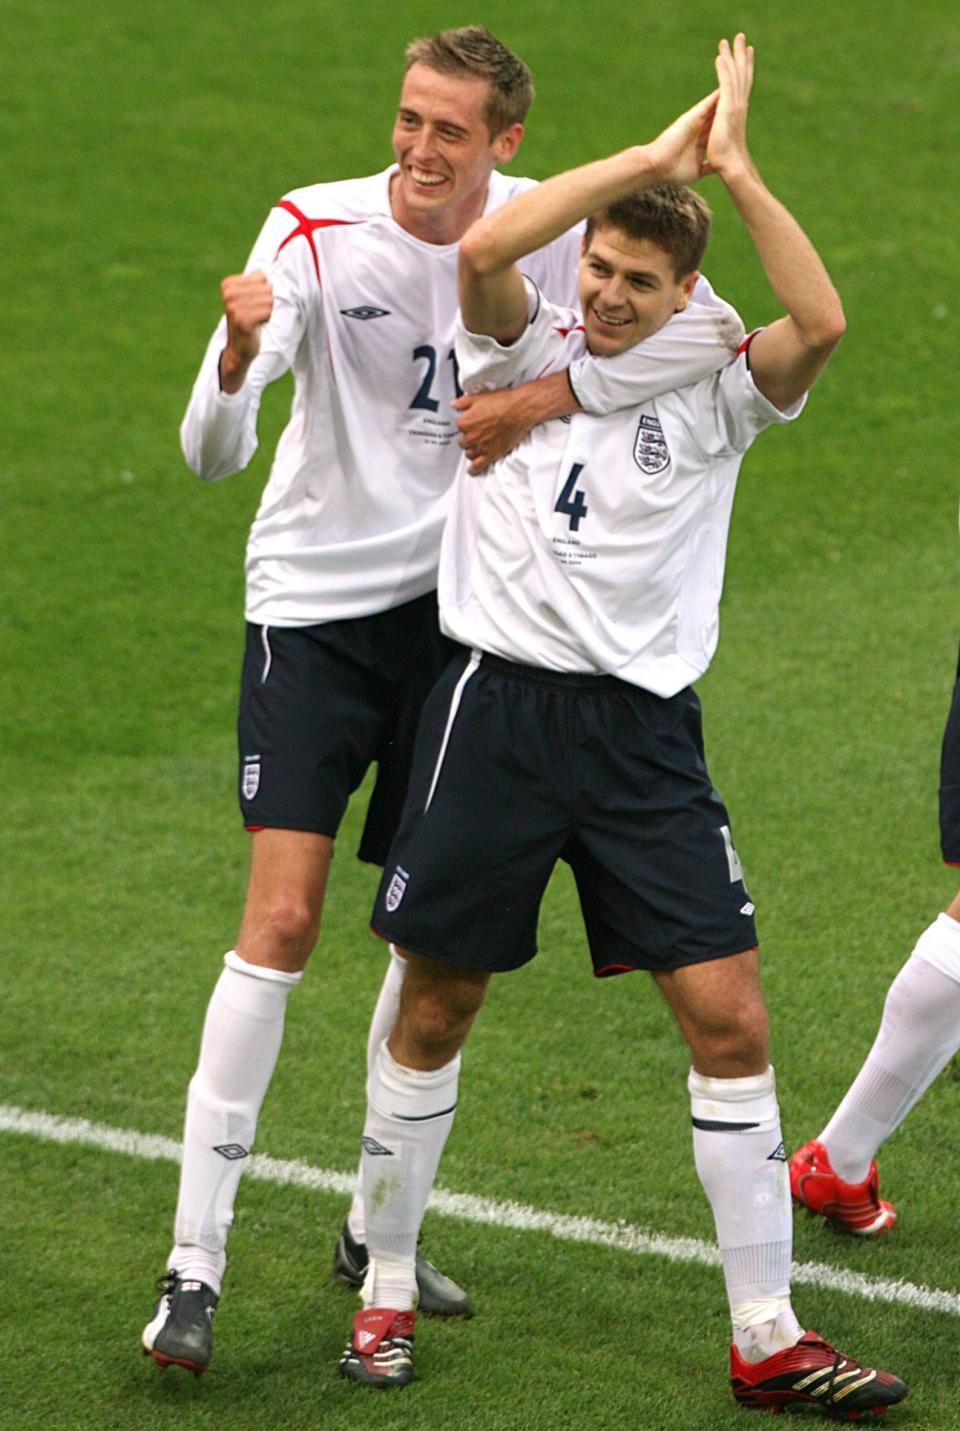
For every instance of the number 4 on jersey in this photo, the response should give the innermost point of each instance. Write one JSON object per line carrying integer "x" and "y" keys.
{"x": 570, "y": 502}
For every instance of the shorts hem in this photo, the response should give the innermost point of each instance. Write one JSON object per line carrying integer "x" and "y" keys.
{"x": 446, "y": 957}
{"x": 297, "y": 828}
{"x": 611, "y": 970}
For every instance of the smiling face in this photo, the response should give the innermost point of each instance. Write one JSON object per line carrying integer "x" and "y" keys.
{"x": 628, "y": 289}
{"x": 445, "y": 153}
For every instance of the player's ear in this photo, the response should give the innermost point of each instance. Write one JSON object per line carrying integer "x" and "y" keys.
{"x": 687, "y": 284}
{"x": 506, "y": 143}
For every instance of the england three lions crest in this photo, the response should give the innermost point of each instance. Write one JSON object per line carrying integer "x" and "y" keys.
{"x": 650, "y": 451}
{"x": 250, "y": 777}
{"x": 396, "y": 889}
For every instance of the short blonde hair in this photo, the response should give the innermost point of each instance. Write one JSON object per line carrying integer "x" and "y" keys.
{"x": 472, "y": 50}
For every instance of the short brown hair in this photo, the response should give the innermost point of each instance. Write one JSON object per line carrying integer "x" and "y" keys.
{"x": 669, "y": 215}
{"x": 472, "y": 50}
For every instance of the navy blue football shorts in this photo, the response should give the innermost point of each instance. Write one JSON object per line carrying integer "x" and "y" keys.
{"x": 516, "y": 767}
{"x": 950, "y": 781}
{"x": 320, "y": 704}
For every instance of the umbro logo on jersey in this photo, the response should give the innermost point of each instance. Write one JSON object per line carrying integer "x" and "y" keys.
{"x": 375, "y": 1149}
{"x": 779, "y": 1155}
{"x": 365, "y": 311}
{"x": 230, "y": 1151}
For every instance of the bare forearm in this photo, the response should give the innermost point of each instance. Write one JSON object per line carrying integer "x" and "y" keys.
{"x": 491, "y": 289}
{"x": 492, "y": 423}
{"x": 540, "y": 215}
{"x": 546, "y": 398}
{"x": 793, "y": 267}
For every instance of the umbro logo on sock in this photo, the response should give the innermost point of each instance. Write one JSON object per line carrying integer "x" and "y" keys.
{"x": 779, "y": 1155}
{"x": 375, "y": 1149}
{"x": 230, "y": 1151}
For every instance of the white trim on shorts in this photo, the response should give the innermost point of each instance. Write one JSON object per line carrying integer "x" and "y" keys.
{"x": 470, "y": 669}
{"x": 268, "y": 654}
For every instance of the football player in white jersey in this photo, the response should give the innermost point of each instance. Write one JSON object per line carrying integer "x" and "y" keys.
{"x": 584, "y": 576}
{"x": 351, "y": 284}
{"x": 835, "y": 1175}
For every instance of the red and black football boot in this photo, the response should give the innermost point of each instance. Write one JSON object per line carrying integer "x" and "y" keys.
{"x": 380, "y": 1349}
{"x": 815, "y": 1372}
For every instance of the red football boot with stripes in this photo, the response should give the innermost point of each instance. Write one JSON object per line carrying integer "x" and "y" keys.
{"x": 855, "y": 1207}
{"x": 380, "y": 1349}
{"x": 815, "y": 1372}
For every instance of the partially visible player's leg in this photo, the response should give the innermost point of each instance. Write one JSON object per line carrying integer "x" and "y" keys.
{"x": 835, "y": 1175}
{"x": 381, "y": 1025}
{"x": 438, "y": 1295}
{"x": 465, "y": 885}
{"x": 285, "y": 892}
{"x": 411, "y": 1101}
{"x": 242, "y": 1033}
{"x": 410, "y": 653}
{"x": 737, "y": 1143}
{"x": 740, "y": 1160}
{"x": 674, "y": 902}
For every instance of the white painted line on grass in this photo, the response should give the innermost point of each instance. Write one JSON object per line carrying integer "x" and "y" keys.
{"x": 619, "y": 1235}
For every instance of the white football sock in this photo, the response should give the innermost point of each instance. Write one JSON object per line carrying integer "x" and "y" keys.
{"x": 381, "y": 1026}
{"x": 409, "y": 1115}
{"x": 919, "y": 1033}
{"x": 241, "y": 1039}
{"x": 741, "y": 1163}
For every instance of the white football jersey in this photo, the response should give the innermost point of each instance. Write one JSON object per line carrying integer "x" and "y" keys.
{"x": 364, "y": 313}
{"x": 599, "y": 544}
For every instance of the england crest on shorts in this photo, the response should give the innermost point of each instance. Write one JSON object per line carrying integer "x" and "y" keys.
{"x": 250, "y": 779}
{"x": 650, "y": 451}
{"x": 396, "y": 890}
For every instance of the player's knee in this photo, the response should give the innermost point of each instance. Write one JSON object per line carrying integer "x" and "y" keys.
{"x": 290, "y": 922}
{"x": 437, "y": 1020}
{"x": 734, "y": 1041}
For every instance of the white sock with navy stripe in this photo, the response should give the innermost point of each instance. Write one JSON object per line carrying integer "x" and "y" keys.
{"x": 918, "y": 1034}
{"x": 242, "y": 1034}
{"x": 741, "y": 1163}
{"x": 409, "y": 1115}
{"x": 381, "y": 1026}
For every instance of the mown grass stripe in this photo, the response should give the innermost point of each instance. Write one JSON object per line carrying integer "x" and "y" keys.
{"x": 468, "y": 1208}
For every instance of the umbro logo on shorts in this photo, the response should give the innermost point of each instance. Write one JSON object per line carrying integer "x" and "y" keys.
{"x": 365, "y": 311}
{"x": 779, "y": 1155}
{"x": 375, "y": 1149}
{"x": 230, "y": 1151}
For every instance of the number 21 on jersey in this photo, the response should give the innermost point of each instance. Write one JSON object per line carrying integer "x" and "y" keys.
{"x": 571, "y": 501}
{"x": 424, "y": 396}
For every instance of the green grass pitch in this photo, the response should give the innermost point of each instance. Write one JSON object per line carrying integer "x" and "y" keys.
{"x": 141, "y": 146}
